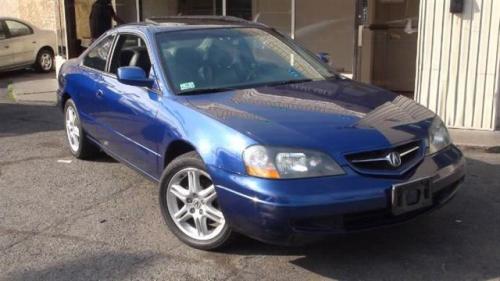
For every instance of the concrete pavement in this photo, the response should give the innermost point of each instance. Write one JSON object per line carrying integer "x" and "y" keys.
{"x": 66, "y": 219}
{"x": 32, "y": 87}
{"x": 476, "y": 140}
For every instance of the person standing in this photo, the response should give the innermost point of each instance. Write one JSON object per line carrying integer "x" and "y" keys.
{"x": 101, "y": 15}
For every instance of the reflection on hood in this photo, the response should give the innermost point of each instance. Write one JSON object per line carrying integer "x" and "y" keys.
{"x": 252, "y": 96}
{"x": 332, "y": 115}
{"x": 223, "y": 112}
{"x": 400, "y": 111}
{"x": 394, "y": 119}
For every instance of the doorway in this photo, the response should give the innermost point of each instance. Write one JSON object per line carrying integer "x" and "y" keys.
{"x": 387, "y": 44}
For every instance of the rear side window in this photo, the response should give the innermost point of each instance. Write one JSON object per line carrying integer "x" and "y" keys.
{"x": 3, "y": 35}
{"x": 18, "y": 29}
{"x": 97, "y": 57}
{"x": 130, "y": 50}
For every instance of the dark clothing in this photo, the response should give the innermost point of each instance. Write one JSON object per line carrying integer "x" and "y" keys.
{"x": 101, "y": 16}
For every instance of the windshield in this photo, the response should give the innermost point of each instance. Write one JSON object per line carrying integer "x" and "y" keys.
{"x": 234, "y": 58}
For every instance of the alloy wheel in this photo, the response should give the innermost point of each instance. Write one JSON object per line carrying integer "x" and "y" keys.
{"x": 72, "y": 129}
{"x": 46, "y": 61}
{"x": 192, "y": 204}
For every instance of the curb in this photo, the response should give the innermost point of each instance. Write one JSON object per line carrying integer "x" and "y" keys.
{"x": 478, "y": 148}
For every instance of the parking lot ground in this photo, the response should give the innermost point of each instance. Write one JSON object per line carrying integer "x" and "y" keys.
{"x": 66, "y": 219}
{"x": 28, "y": 86}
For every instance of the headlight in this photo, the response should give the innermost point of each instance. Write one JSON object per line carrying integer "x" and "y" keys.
{"x": 439, "y": 137}
{"x": 288, "y": 163}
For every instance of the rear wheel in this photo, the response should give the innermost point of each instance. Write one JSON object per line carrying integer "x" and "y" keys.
{"x": 79, "y": 145}
{"x": 189, "y": 205}
{"x": 45, "y": 60}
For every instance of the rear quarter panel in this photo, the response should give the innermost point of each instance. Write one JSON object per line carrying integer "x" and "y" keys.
{"x": 78, "y": 83}
{"x": 44, "y": 38}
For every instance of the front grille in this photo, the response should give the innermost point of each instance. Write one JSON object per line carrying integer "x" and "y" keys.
{"x": 379, "y": 162}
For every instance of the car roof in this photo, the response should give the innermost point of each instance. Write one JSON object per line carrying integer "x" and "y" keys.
{"x": 171, "y": 23}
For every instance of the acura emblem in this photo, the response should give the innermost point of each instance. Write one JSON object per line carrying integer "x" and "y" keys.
{"x": 394, "y": 159}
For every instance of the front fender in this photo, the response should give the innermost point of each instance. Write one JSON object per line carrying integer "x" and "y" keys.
{"x": 217, "y": 144}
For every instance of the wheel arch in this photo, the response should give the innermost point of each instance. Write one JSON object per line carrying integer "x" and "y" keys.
{"x": 46, "y": 47}
{"x": 64, "y": 98}
{"x": 175, "y": 149}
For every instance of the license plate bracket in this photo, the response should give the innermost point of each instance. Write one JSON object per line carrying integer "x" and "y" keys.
{"x": 410, "y": 196}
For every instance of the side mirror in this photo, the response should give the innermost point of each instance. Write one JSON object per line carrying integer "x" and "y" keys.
{"x": 134, "y": 76}
{"x": 324, "y": 57}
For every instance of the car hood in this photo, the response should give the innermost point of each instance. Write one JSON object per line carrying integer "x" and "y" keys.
{"x": 338, "y": 116}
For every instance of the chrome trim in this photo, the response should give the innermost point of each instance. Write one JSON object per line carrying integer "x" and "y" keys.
{"x": 387, "y": 157}
{"x": 403, "y": 154}
{"x": 254, "y": 199}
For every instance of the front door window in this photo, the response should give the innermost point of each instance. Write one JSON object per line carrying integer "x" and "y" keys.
{"x": 130, "y": 51}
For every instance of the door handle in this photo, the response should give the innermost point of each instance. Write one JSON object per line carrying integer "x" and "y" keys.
{"x": 6, "y": 46}
{"x": 99, "y": 93}
{"x": 34, "y": 42}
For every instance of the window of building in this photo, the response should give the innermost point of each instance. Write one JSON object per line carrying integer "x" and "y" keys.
{"x": 18, "y": 29}
{"x": 130, "y": 51}
{"x": 97, "y": 57}
{"x": 329, "y": 30}
{"x": 275, "y": 13}
{"x": 155, "y": 8}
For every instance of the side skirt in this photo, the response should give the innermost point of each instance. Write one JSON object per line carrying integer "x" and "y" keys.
{"x": 123, "y": 161}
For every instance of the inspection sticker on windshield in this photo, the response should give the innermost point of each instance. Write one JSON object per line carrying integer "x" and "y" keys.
{"x": 187, "y": 86}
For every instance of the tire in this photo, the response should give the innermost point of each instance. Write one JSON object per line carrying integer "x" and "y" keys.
{"x": 78, "y": 143}
{"x": 45, "y": 61}
{"x": 201, "y": 225}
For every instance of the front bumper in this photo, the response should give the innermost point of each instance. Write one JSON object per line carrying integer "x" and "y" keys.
{"x": 291, "y": 211}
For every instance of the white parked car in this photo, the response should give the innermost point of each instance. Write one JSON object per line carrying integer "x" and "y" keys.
{"x": 23, "y": 45}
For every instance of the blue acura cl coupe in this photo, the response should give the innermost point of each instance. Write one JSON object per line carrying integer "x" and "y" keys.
{"x": 247, "y": 132}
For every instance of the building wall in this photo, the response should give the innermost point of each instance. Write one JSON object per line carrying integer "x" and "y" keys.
{"x": 82, "y": 14}
{"x": 41, "y": 13}
{"x": 458, "y": 62}
{"x": 10, "y": 8}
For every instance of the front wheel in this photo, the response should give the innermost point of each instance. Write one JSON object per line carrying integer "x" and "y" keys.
{"x": 189, "y": 205}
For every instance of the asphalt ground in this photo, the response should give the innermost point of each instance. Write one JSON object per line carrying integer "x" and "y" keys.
{"x": 66, "y": 219}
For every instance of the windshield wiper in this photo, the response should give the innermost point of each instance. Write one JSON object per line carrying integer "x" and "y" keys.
{"x": 207, "y": 90}
{"x": 334, "y": 76}
{"x": 286, "y": 82}
{"x": 226, "y": 89}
